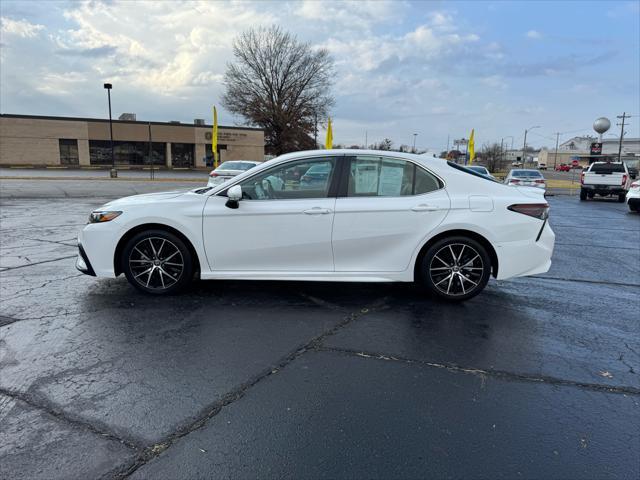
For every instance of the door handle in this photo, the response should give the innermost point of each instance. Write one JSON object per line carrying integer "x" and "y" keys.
{"x": 317, "y": 211}
{"x": 424, "y": 208}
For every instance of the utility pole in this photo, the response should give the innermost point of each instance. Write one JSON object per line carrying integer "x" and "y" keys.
{"x": 501, "y": 154}
{"x": 448, "y": 144}
{"x": 624, "y": 116}
{"x": 366, "y": 140}
{"x": 555, "y": 158}
{"x": 414, "y": 143}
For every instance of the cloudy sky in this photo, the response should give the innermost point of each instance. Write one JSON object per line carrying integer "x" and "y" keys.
{"x": 431, "y": 68}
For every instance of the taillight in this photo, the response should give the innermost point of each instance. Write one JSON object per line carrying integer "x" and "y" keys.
{"x": 537, "y": 210}
{"x": 635, "y": 185}
{"x": 582, "y": 178}
{"x": 539, "y": 181}
{"x": 514, "y": 181}
{"x": 624, "y": 179}
{"x": 213, "y": 174}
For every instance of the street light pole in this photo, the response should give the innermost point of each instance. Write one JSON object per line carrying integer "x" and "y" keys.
{"x": 524, "y": 146}
{"x": 114, "y": 172}
{"x": 414, "y": 143}
{"x": 555, "y": 157}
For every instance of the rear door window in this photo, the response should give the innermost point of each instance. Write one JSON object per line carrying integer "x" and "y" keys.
{"x": 373, "y": 176}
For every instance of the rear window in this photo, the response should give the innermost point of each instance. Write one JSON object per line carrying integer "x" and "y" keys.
{"x": 470, "y": 172}
{"x": 606, "y": 168}
{"x": 236, "y": 166}
{"x": 526, "y": 174}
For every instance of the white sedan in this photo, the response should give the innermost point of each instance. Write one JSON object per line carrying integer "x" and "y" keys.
{"x": 374, "y": 217}
{"x": 228, "y": 170}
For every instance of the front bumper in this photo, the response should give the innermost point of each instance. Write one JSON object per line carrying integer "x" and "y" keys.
{"x": 82, "y": 262}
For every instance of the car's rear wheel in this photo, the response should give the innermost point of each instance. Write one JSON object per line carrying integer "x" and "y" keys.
{"x": 583, "y": 195}
{"x": 157, "y": 262}
{"x": 455, "y": 268}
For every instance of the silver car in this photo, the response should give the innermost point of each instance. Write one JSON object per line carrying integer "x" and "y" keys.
{"x": 228, "y": 170}
{"x": 525, "y": 178}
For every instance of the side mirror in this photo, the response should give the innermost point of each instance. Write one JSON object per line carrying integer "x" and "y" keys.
{"x": 234, "y": 195}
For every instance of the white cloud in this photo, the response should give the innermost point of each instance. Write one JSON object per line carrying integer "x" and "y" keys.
{"x": 361, "y": 14}
{"x": 533, "y": 34}
{"x": 21, "y": 28}
{"x": 159, "y": 45}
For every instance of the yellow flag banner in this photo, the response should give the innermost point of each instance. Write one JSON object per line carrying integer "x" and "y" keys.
{"x": 328, "y": 144}
{"x": 472, "y": 147}
{"x": 214, "y": 138}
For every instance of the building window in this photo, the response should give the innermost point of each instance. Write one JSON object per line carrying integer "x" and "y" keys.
{"x": 182, "y": 155}
{"x": 68, "y": 151}
{"x": 126, "y": 153}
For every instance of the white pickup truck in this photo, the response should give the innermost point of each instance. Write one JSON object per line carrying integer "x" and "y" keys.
{"x": 605, "y": 179}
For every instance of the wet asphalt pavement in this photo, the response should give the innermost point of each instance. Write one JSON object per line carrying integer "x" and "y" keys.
{"x": 535, "y": 378}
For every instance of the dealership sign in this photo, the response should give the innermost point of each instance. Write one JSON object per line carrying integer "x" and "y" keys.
{"x": 596, "y": 148}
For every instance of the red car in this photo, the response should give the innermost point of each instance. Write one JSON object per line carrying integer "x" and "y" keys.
{"x": 563, "y": 167}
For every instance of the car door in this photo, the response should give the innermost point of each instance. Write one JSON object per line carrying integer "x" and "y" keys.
{"x": 383, "y": 213}
{"x": 281, "y": 224}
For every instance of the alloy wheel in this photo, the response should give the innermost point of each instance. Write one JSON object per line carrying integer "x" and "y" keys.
{"x": 156, "y": 263}
{"x": 456, "y": 269}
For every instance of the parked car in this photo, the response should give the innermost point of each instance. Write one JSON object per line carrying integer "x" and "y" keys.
{"x": 605, "y": 179}
{"x": 563, "y": 167}
{"x": 316, "y": 175}
{"x": 542, "y": 165}
{"x": 481, "y": 170}
{"x": 633, "y": 197}
{"x": 228, "y": 170}
{"x": 411, "y": 218}
{"x": 525, "y": 178}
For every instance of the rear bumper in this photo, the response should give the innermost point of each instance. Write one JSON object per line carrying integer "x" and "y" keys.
{"x": 530, "y": 257}
{"x": 604, "y": 189}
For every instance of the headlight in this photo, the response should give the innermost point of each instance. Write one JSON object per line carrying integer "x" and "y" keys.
{"x": 101, "y": 216}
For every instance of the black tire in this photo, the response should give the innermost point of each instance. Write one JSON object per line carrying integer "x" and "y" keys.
{"x": 157, "y": 262}
{"x": 583, "y": 195}
{"x": 633, "y": 207}
{"x": 621, "y": 198}
{"x": 439, "y": 267}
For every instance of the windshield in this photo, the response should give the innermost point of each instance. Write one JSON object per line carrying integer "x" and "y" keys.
{"x": 236, "y": 166}
{"x": 526, "y": 174}
{"x": 478, "y": 169}
{"x": 471, "y": 172}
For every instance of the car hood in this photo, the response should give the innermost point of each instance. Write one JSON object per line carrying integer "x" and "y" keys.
{"x": 145, "y": 198}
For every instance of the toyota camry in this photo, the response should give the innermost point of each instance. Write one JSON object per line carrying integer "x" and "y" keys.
{"x": 367, "y": 216}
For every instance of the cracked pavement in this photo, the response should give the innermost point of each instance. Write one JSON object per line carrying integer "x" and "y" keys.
{"x": 536, "y": 377}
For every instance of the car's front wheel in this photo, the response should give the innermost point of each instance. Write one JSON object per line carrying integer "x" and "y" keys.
{"x": 157, "y": 262}
{"x": 455, "y": 268}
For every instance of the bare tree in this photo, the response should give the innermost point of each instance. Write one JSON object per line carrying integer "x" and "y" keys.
{"x": 385, "y": 144}
{"x": 492, "y": 157}
{"x": 281, "y": 85}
